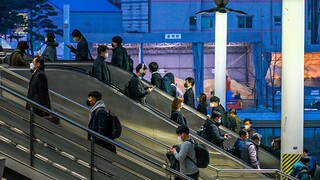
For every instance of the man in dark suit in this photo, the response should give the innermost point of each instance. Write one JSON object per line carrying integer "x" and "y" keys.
{"x": 189, "y": 95}
{"x": 38, "y": 86}
{"x": 98, "y": 120}
{"x": 156, "y": 78}
{"x": 82, "y": 52}
{"x": 119, "y": 54}
{"x": 100, "y": 67}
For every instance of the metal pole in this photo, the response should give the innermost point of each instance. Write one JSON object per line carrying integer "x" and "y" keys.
{"x": 292, "y": 92}
{"x": 91, "y": 159}
{"x": 66, "y": 31}
{"x": 31, "y": 136}
{"x": 220, "y": 57}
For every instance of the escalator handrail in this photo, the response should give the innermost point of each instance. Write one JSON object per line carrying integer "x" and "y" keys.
{"x": 92, "y": 133}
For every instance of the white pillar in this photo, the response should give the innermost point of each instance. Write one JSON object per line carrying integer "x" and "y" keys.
{"x": 292, "y": 92}
{"x": 220, "y": 57}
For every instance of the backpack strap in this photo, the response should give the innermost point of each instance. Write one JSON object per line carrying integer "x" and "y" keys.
{"x": 193, "y": 142}
{"x": 97, "y": 110}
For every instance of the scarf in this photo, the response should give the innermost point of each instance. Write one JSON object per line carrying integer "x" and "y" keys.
{"x": 98, "y": 104}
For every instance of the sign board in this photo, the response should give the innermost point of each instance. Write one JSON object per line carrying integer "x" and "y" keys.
{"x": 172, "y": 36}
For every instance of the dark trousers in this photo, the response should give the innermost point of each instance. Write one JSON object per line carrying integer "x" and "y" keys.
{"x": 194, "y": 176}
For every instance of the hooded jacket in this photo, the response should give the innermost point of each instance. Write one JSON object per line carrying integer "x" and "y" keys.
{"x": 17, "y": 58}
{"x": 213, "y": 132}
{"x": 50, "y": 52}
{"x": 300, "y": 171}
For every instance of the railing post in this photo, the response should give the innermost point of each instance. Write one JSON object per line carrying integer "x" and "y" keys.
{"x": 31, "y": 135}
{"x": 91, "y": 159}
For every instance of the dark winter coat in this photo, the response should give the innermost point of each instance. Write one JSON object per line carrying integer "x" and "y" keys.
{"x": 221, "y": 109}
{"x": 300, "y": 171}
{"x": 99, "y": 124}
{"x": 101, "y": 70}
{"x": 118, "y": 57}
{"x": 138, "y": 91}
{"x": 17, "y": 58}
{"x": 213, "y": 132}
{"x": 188, "y": 98}
{"x": 202, "y": 107}
{"x": 178, "y": 117}
{"x": 238, "y": 146}
{"x": 156, "y": 80}
{"x": 50, "y": 52}
{"x": 251, "y": 131}
{"x": 38, "y": 91}
{"x": 82, "y": 51}
{"x": 249, "y": 154}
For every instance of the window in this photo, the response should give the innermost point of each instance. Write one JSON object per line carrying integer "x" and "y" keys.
{"x": 207, "y": 22}
{"x": 193, "y": 22}
{"x": 277, "y": 20}
{"x": 244, "y": 21}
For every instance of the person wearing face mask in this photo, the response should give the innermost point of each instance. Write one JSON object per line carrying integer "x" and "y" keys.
{"x": 212, "y": 130}
{"x": 249, "y": 153}
{"x": 119, "y": 53}
{"x": 186, "y": 155}
{"x": 247, "y": 125}
{"x": 38, "y": 90}
{"x": 100, "y": 67}
{"x": 202, "y": 107}
{"x": 188, "y": 97}
{"x": 240, "y": 142}
{"x": 216, "y": 106}
{"x": 50, "y": 52}
{"x": 176, "y": 114}
{"x": 82, "y": 52}
{"x": 138, "y": 91}
{"x": 98, "y": 120}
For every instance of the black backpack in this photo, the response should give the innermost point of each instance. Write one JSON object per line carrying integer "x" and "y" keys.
{"x": 128, "y": 62}
{"x": 116, "y": 125}
{"x": 166, "y": 84}
{"x": 202, "y": 155}
{"x": 202, "y": 132}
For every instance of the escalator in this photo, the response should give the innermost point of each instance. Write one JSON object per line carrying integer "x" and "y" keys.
{"x": 59, "y": 152}
{"x": 76, "y": 85}
{"x": 162, "y": 102}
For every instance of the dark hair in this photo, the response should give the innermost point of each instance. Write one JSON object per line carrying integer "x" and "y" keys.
{"x": 117, "y": 39}
{"x": 139, "y": 66}
{"x": 306, "y": 150}
{"x": 40, "y": 60}
{"x": 153, "y": 66}
{"x": 190, "y": 80}
{"x": 176, "y": 103}
{"x": 233, "y": 110}
{"x": 215, "y": 114}
{"x": 247, "y": 119}
{"x": 305, "y": 159}
{"x": 256, "y": 136}
{"x": 215, "y": 99}
{"x": 183, "y": 129}
{"x": 50, "y": 37}
{"x": 202, "y": 97}
{"x": 76, "y": 33}
{"x": 102, "y": 48}
{"x": 242, "y": 132}
{"x": 23, "y": 45}
{"x": 95, "y": 94}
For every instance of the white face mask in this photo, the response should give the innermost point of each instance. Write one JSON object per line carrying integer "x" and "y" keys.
{"x": 180, "y": 139}
{"x": 259, "y": 143}
{"x": 106, "y": 55}
{"x": 32, "y": 66}
{"x": 75, "y": 39}
{"x": 246, "y": 127}
{"x": 198, "y": 100}
{"x": 211, "y": 105}
{"x": 182, "y": 105}
{"x": 219, "y": 121}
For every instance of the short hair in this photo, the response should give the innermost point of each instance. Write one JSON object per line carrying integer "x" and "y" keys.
{"x": 102, "y": 48}
{"x": 305, "y": 159}
{"x": 176, "y": 103}
{"x": 40, "y": 60}
{"x": 183, "y": 129}
{"x": 247, "y": 119}
{"x": 233, "y": 110}
{"x": 95, "y": 94}
{"x": 215, "y": 114}
{"x": 76, "y": 33}
{"x": 153, "y": 66}
{"x": 215, "y": 99}
{"x": 256, "y": 136}
{"x": 242, "y": 132}
{"x": 306, "y": 150}
{"x": 190, "y": 80}
{"x": 117, "y": 39}
{"x": 23, "y": 45}
{"x": 50, "y": 37}
{"x": 202, "y": 97}
{"x": 139, "y": 66}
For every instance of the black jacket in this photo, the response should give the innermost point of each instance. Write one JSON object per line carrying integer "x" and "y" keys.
{"x": 189, "y": 98}
{"x": 178, "y": 117}
{"x": 99, "y": 124}
{"x": 156, "y": 80}
{"x": 38, "y": 91}
{"x": 82, "y": 51}
{"x": 50, "y": 52}
{"x": 202, "y": 107}
{"x": 118, "y": 57}
{"x": 221, "y": 109}
{"x": 213, "y": 132}
{"x": 101, "y": 70}
{"x": 17, "y": 58}
{"x": 138, "y": 91}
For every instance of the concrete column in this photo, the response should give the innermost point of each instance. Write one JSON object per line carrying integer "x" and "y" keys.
{"x": 292, "y": 92}
{"x": 141, "y": 53}
{"x": 66, "y": 31}
{"x": 220, "y": 57}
